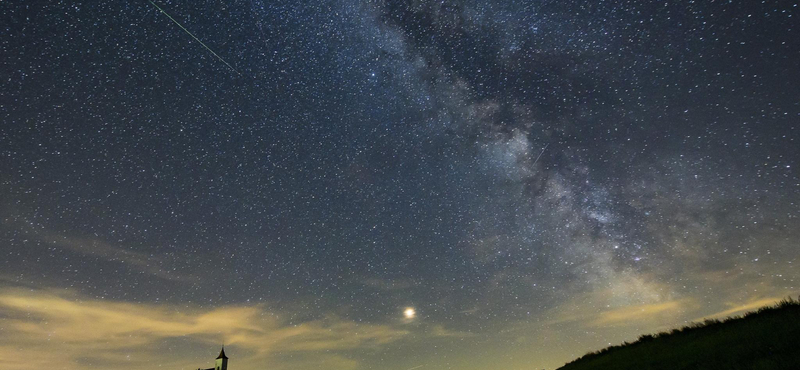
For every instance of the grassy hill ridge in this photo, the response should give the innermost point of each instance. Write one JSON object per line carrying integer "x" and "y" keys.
{"x": 766, "y": 339}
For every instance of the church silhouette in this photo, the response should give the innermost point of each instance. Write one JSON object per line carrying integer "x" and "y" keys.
{"x": 221, "y": 363}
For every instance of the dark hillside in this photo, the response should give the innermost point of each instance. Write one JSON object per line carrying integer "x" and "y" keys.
{"x": 765, "y": 339}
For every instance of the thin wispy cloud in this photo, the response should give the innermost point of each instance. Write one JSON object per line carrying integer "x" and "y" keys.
{"x": 126, "y": 335}
{"x": 740, "y": 308}
{"x": 98, "y": 248}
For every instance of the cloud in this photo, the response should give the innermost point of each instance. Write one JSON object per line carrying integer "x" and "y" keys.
{"x": 638, "y": 313}
{"x": 630, "y": 298}
{"x": 96, "y": 247}
{"x": 740, "y": 308}
{"x": 630, "y": 314}
{"x": 63, "y": 330}
{"x": 441, "y": 331}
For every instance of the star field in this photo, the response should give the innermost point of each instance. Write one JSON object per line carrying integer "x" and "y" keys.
{"x": 389, "y": 184}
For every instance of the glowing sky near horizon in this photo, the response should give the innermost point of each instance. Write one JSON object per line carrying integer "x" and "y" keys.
{"x": 394, "y": 185}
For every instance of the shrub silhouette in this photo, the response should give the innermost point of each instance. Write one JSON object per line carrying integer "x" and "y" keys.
{"x": 765, "y": 339}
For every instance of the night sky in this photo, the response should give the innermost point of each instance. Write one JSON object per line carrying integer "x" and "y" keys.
{"x": 394, "y": 185}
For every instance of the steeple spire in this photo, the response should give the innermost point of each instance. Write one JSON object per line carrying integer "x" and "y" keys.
{"x": 222, "y": 354}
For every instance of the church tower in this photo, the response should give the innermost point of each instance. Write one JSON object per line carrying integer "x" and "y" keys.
{"x": 222, "y": 361}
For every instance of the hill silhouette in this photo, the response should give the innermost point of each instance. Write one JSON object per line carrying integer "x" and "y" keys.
{"x": 766, "y": 339}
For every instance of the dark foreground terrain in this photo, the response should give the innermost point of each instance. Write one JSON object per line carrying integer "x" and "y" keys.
{"x": 766, "y": 339}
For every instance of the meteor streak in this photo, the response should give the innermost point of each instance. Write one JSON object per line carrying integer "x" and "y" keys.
{"x": 540, "y": 154}
{"x": 194, "y": 37}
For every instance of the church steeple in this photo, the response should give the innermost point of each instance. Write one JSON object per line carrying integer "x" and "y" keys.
{"x": 222, "y": 361}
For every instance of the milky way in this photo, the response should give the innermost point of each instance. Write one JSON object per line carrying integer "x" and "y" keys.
{"x": 532, "y": 180}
